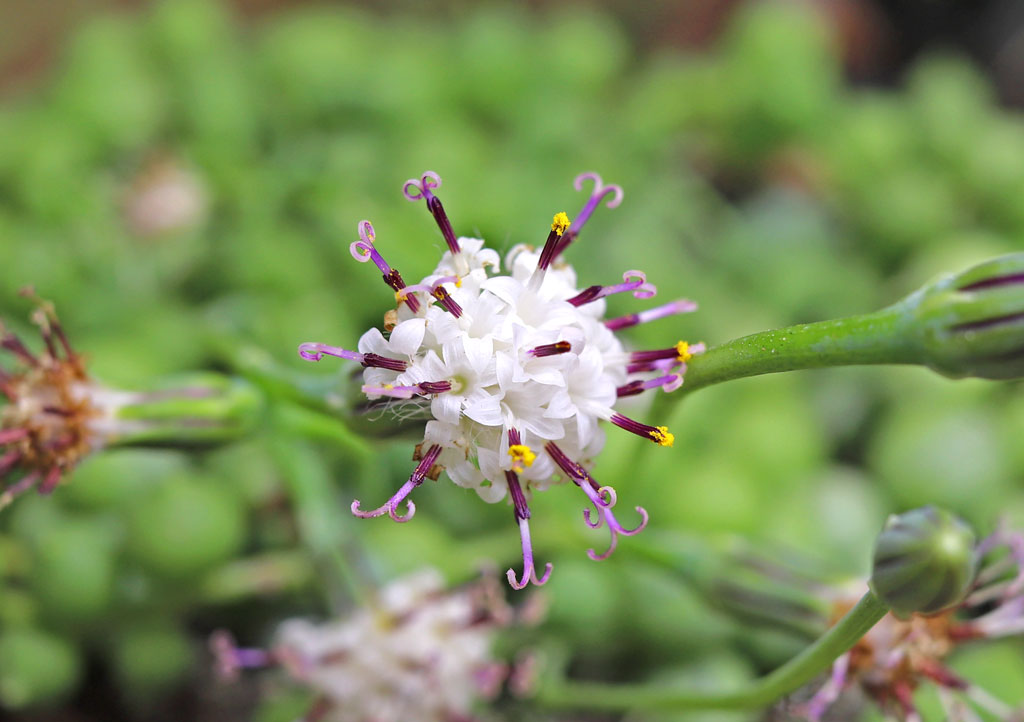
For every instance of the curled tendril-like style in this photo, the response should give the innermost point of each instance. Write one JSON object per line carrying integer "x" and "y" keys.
{"x": 316, "y": 351}
{"x": 600, "y": 189}
{"x": 529, "y": 569}
{"x": 390, "y": 507}
{"x": 426, "y": 288}
{"x": 421, "y": 186}
{"x": 363, "y": 250}
{"x": 645, "y": 289}
{"x": 366, "y": 231}
{"x": 604, "y": 499}
{"x": 670, "y": 386}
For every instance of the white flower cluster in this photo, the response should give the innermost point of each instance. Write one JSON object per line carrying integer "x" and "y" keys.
{"x": 496, "y": 382}
{"x": 517, "y": 369}
{"x": 419, "y": 653}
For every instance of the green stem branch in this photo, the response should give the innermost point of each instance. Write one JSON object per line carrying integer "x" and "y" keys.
{"x": 874, "y": 338}
{"x": 790, "y": 676}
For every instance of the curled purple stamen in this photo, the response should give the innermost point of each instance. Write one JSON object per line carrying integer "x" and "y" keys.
{"x": 669, "y": 309}
{"x": 316, "y": 351}
{"x": 670, "y": 382}
{"x": 598, "y": 194}
{"x": 390, "y": 507}
{"x": 438, "y": 291}
{"x": 312, "y": 351}
{"x": 635, "y": 281}
{"x": 603, "y": 500}
{"x": 421, "y": 186}
{"x": 363, "y": 251}
{"x": 522, "y": 513}
{"x": 407, "y": 392}
{"x": 414, "y": 190}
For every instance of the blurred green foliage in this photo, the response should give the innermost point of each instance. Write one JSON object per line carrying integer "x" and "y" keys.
{"x": 281, "y": 136}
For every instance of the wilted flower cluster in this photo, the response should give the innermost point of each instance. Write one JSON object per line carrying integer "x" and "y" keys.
{"x": 55, "y": 415}
{"x": 419, "y": 653}
{"x": 517, "y": 370}
{"x": 899, "y": 655}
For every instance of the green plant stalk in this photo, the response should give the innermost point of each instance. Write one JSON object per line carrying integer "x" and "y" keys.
{"x": 874, "y": 338}
{"x": 798, "y": 671}
{"x": 321, "y": 528}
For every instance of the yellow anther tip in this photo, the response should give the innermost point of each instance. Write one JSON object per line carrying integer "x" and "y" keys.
{"x": 662, "y": 436}
{"x": 559, "y": 223}
{"x": 683, "y": 352}
{"x": 522, "y": 455}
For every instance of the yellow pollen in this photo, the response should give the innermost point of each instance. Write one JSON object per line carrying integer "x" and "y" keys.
{"x": 683, "y": 352}
{"x": 560, "y": 223}
{"x": 399, "y": 297}
{"x": 522, "y": 456}
{"x": 388, "y": 387}
{"x": 662, "y": 436}
{"x": 458, "y": 282}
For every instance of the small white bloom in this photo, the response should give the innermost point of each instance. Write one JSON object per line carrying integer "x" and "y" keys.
{"x": 518, "y": 368}
{"x": 419, "y": 653}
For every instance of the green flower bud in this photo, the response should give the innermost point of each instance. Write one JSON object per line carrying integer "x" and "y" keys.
{"x": 972, "y": 323}
{"x": 924, "y": 561}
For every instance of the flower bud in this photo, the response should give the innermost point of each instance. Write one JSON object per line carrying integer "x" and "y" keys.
{"x": 924, "y": 561}
{"x": 972, "y": 323}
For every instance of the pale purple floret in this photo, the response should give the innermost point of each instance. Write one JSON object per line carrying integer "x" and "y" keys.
{"x": 391, "y": 505}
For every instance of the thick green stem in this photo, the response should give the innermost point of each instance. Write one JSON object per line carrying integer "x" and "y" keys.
{"x": 874, "y": 338}
{"x": 790, "y": 676}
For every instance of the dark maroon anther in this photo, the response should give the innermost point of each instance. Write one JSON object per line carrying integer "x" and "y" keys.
{"x": 395, "y": 281}
{"x": 373, "y": 360}
{"x": 591, "y": 293}
{"x": 448, "y": 303}
{"x": 522, "y": 510}
{"x": 435, "y": 387}
{"x": 631, "y": 389}
{"x": 426, "y": 464}
{"x": 550, "y": 349}
{"x": 547, "y": 255}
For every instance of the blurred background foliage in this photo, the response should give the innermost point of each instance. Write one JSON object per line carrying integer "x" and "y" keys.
{"x": 184, "y": 181}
